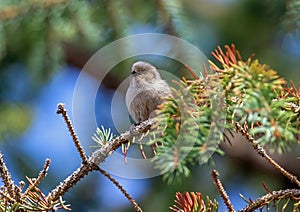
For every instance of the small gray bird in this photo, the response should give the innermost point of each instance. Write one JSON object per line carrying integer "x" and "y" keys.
{"x": 145, "y": 91}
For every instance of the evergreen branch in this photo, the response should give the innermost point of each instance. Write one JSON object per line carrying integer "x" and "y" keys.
{"x": 117, "y": 184}
{"x": 6, "y": 177}
{"x": 225, "y": 197}
{"x": 255, "y": 94}
{"x": 13, "y": 11}
{"x": 37, "y": 181}
{"x": 273, "y": 196}
{"x": 260, "y": 150}
{"x": 61, "y": 110}
{"x": 240, "y": 91}
{"x": 187, "y": 127}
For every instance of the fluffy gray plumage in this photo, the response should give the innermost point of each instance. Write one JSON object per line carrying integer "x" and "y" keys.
{"x": 145, "y": 91}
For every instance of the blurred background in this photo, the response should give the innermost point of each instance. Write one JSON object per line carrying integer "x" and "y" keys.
{"x": 44, "y": 44}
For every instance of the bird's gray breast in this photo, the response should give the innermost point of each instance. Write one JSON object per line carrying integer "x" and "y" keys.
{"x": 143, "y": 103}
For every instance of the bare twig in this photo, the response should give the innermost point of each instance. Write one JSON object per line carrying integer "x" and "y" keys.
{"x": 218, "y": 183}
{"x": 274, "y": 195}
{"x": 61, "y": 110}
{"x": 117, "y": 184}
{"x": 6, "y": 178}
{"x": 260, "y": 150}
{"x": 42, "y": 174}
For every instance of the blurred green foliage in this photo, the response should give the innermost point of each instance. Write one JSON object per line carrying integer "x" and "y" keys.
{"x": 14, "y": 120}
{"x": 35, "y": 33}
{"x": 38, "y": 34}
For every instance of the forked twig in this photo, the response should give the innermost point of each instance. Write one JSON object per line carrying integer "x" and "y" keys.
{"x": 260, "y": 150}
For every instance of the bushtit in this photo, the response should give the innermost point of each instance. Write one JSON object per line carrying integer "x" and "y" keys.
{"x": 145, "y": 91}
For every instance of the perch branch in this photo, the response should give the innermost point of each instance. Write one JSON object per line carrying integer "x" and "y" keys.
{"x": 101, "y": 154}
{"x": 71, "y": 180}
{"x": 260, "y": 150}
{"x": 275, "y": 195}
{"x": 218, "y": 183}
{"x": 97, "y": 157}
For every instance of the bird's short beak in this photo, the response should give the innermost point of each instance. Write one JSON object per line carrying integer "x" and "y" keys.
{"x": 133, "y": 72}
